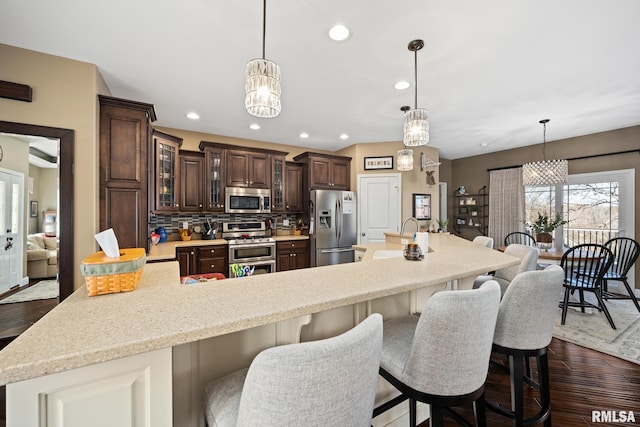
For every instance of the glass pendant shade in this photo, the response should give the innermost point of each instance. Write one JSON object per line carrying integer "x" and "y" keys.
{"x": 262, "y": 88}
{"x": 405, "y": 160}
{"x": 416, "y": 127}
{"x": 546, "y": 172}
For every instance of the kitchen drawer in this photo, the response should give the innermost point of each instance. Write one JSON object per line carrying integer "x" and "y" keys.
{"x": 293, "y": 244}
{"x": 213, "y": 265}
{"x": 212, "y": 252}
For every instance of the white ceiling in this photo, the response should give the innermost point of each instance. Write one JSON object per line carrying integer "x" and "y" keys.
{"x": 490, "y": 70}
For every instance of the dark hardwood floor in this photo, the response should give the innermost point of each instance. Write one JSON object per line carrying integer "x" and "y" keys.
{"x": 582, "y": 380}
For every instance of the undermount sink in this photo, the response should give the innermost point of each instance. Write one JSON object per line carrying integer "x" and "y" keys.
{"x": 387, "y": 253}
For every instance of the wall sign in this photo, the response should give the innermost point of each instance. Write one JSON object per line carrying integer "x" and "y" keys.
{"x": 384, "y": 162}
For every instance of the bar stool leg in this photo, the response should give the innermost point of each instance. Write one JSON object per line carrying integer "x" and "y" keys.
{"x": 516, "y": 367}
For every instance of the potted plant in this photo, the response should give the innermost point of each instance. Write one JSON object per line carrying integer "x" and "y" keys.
{"x": 442, "y": 225}
{"x": 543, "y": 226}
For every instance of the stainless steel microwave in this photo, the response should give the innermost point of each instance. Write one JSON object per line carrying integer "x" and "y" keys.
{"x": 247, "y": 200}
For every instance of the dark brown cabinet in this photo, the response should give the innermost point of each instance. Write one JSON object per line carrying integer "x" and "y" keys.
{"x": 293, "y": 187}
{"x": 191, "y": 182}
{"x": 278, "y": 184}
{"x": 125, "y": 134}
{"x": 325, "y": 171}
{"x": 248, "y": 169}
{"x": 202, "y": 259}
{"x": 166, "y": 172}
{"x": 213, "y": 259}
{"x": 292, "y": 254}
{"x": 187, "y": 259}
{"x": 214, "y": 178}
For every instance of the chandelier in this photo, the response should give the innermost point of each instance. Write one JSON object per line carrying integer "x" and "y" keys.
{"x": 262, "y": 86}
{"x": 546, "y": 172}
{"x": 405, "y": 156}
{"x": 416, "y": 121}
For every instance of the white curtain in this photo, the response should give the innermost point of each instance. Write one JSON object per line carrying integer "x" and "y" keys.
{"x": 506, "y": 203}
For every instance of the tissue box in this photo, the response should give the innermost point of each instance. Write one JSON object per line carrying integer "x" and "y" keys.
{"x": 105, "y": 275}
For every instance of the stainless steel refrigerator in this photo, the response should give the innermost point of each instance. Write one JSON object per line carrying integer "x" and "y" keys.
{"x": 332, "y": 228}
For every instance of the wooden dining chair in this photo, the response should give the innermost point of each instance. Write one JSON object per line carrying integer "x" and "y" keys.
{"x": 520, "y": 237}
{"x": 625, "y": 252}
{"x": 584, "y": 269}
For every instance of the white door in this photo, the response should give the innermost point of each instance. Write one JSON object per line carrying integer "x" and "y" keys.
{"x": 11, "y": 211}
{"x": 378, "y": 206}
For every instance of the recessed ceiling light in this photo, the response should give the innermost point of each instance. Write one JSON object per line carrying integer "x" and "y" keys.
{"x": 193, "y": 116}
{"x": 254, "y": 126}
{"x": 484, "y": 144}
{"x": 339, "y": 33}
{"x": 344, "y": 136}
{"x": 304, "y": 135}
{"x": 402, "y": 85}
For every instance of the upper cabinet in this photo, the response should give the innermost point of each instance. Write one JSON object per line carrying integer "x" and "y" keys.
{"x": 214, "y": 178}
{"x": 293, "y": 195}
{"x": 248, "y": 169}
{"x": 166, "y": 172}
{"x": 278, "y": 184}
{"x": 326, "y": 171}
{"x": 191, "y": 181}
{"x": 125, "y": 133}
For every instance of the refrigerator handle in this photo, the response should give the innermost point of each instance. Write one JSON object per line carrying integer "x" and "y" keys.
{"x": 333, "y": 251}
{"x": 339, "y": 218}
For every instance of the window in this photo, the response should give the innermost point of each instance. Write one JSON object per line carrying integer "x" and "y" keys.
{"x": 598, "y": 206}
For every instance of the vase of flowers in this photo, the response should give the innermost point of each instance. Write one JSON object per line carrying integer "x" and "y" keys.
{"x": 543, "y": 226}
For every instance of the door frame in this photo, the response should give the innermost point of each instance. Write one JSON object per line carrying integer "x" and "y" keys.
{"x": 360, "y": 176}
{"x": 66, "y": 186}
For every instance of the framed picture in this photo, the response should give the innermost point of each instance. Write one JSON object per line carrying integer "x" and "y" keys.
{"x": 33, "y": 209}
{"x": 422, "y": 206}
{"x": 384, "y": 162}
{"x": 464, "y": 211}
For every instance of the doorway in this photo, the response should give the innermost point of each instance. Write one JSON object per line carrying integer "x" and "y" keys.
{"x": 66, "y": 188}
{"x": 11, "y": 226}
{"x": 379, "y": 206}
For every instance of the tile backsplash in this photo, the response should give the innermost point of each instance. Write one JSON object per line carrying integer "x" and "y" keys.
{"x": 172, "y": 223}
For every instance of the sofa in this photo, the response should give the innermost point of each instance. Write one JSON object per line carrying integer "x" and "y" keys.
{"x": 42, "y": 256}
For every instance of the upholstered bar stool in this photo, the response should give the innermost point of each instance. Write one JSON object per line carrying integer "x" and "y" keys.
{"x": 528, "y": 262}
{"x": 329, "y": 382}
{"x": 483, "y": 241}
{"x": 524, "y": 329}
{"x": 442, "y": 357}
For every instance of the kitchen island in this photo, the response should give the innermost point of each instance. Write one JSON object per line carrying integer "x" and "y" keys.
{"x": 207, "y": 329}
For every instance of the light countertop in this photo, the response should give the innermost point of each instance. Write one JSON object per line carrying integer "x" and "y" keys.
{"x": 167, "y": 250}
{"x": 162, "y": 313}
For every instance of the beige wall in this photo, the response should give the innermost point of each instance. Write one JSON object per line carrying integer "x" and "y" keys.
{"x": 64, "y": 96}
{"x": 413, "y": 181}
{"x": 472, "y": 171}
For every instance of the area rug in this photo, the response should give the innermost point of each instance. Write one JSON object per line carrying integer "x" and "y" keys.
{"x": 44, "y": 289}
{"x": 594, "y": 332}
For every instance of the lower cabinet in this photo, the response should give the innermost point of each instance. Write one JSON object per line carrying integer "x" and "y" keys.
{"x": 292, "y": 254}
{"x": 187, "y": 259}
{"x": 131, "y": 391}
{"x": 213, "y": 259}
{"x": 202, "y": 259}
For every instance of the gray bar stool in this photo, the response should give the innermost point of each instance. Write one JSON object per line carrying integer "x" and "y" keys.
{"x": 442, "y": 357}
{"x": 524, "y": 329}
{"x": 329, "y": 382}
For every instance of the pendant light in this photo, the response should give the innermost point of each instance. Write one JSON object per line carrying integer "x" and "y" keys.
{"x": 405, "y": 156}
{"x": 546, "y": 172}
{"x": 262, "y": 86}
{"x": 416, "y": 121}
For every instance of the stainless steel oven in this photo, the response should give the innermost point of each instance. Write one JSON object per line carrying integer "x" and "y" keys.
{"x": 249, "y": 246}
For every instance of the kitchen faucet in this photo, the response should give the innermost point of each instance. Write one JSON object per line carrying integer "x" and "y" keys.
{"x": 410, "y": 218}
